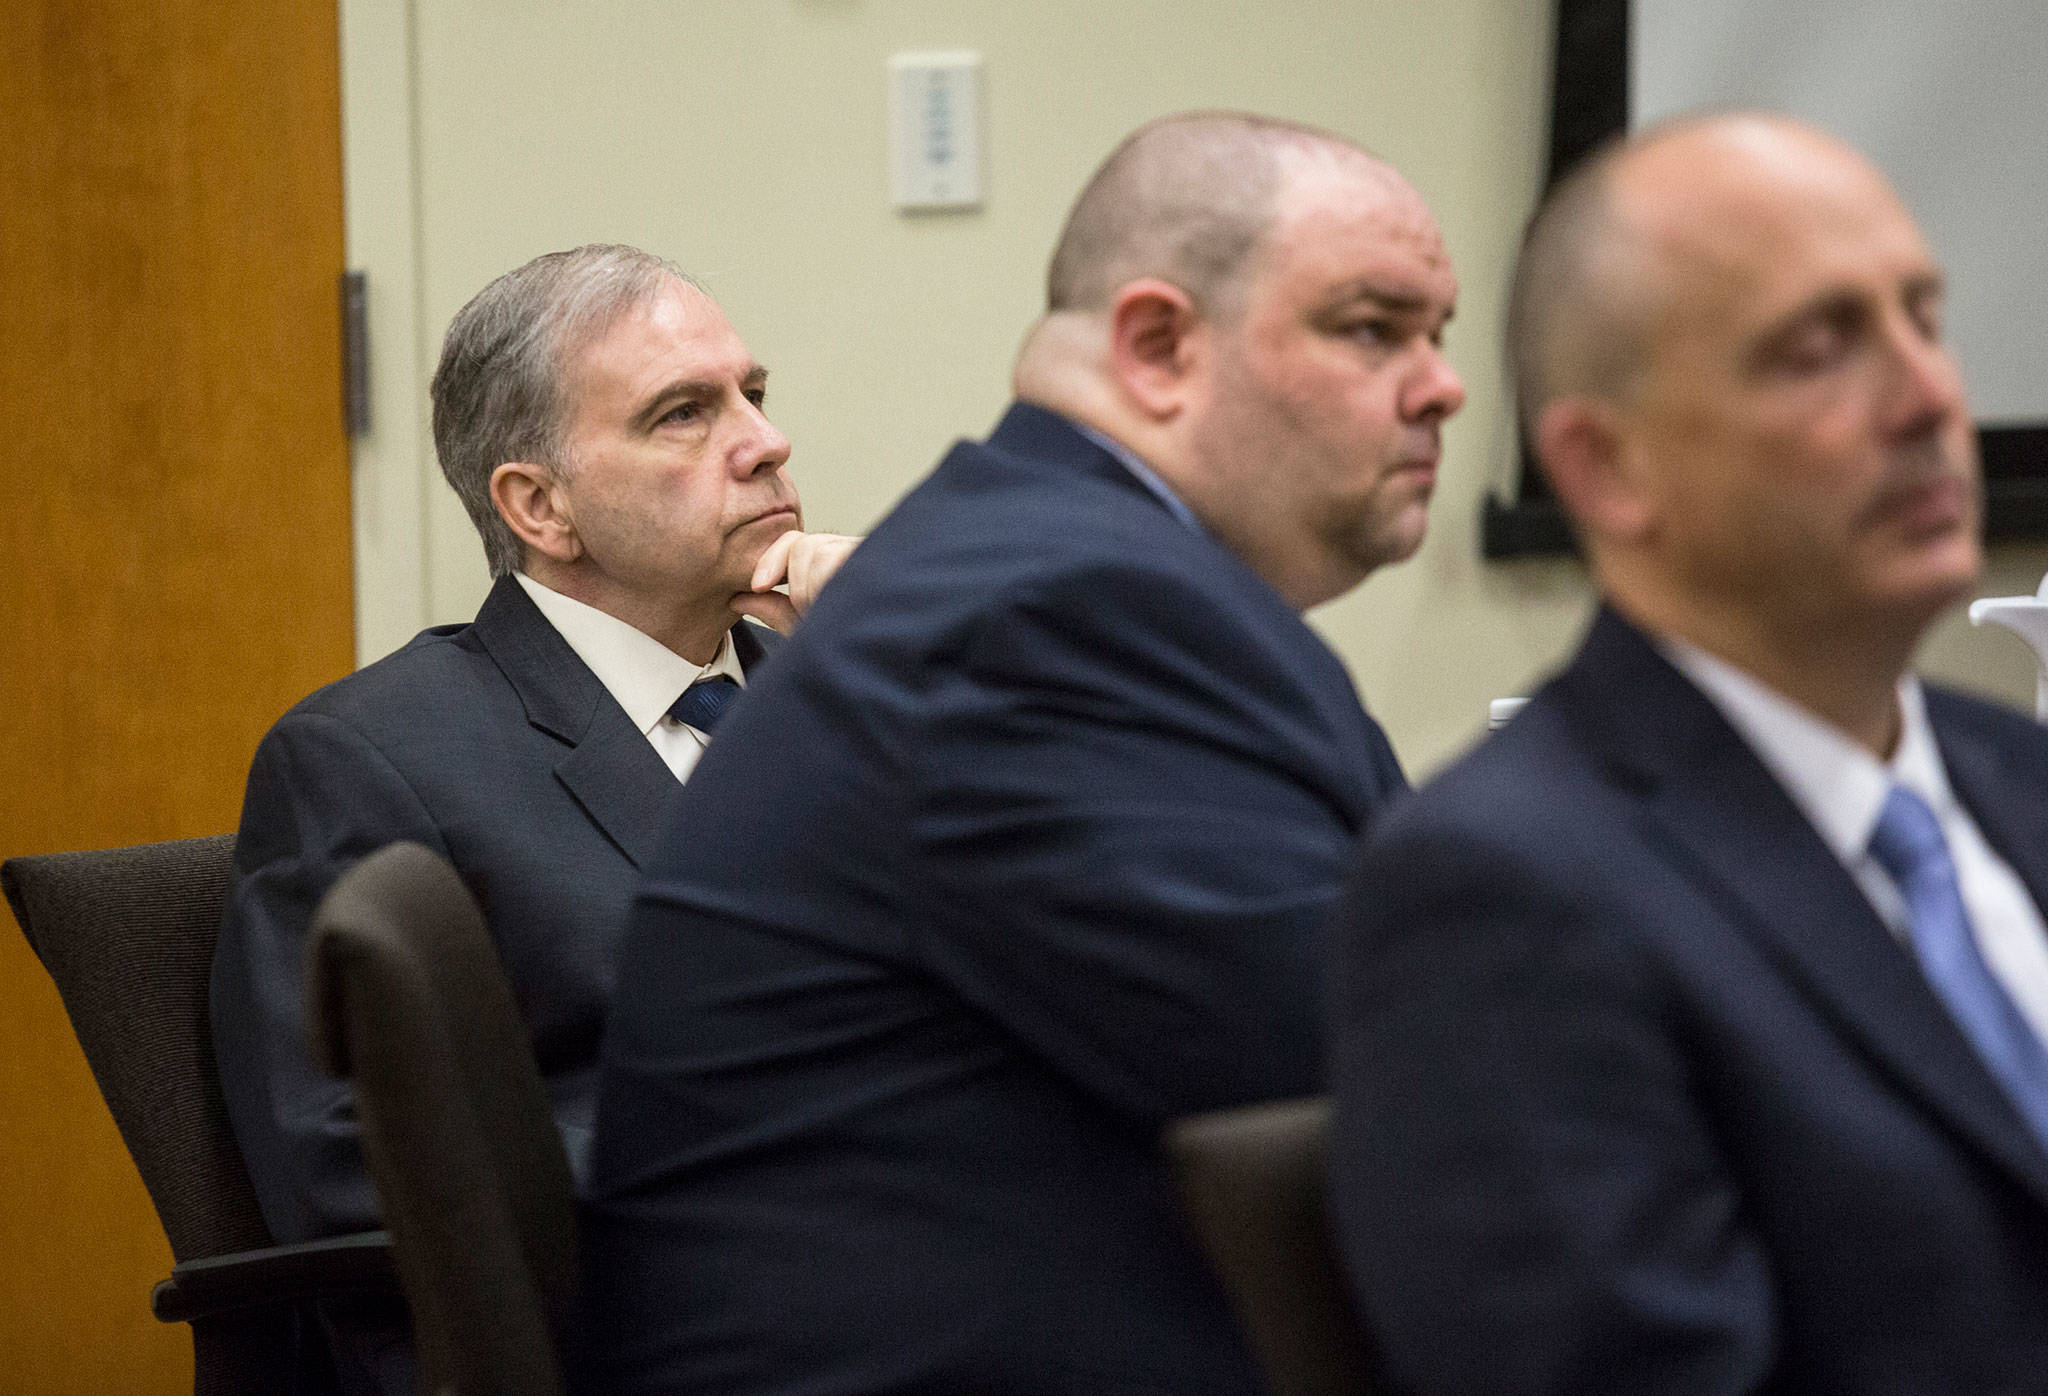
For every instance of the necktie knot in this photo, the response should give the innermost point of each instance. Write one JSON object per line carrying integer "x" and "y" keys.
{"x": 704, "y": 702}
{"x": 1908, "y": 843}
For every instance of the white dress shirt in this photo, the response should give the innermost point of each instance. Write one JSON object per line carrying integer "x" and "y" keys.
{"x": 643, "y": 674}
{"x": 1841, "y": 787}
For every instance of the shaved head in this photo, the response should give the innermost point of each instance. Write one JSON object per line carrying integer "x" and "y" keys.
{"x": 1186, "y": 199}
{"x": 1595, "y": 265}
{"x": 1727, "y": 338}
{"x": 1255, "y": 309}
{"x": 1576, "y": 308}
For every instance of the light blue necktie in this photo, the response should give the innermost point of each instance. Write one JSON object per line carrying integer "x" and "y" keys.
{"x": 704, "y": 702}
{"x": 1909, "y": 845}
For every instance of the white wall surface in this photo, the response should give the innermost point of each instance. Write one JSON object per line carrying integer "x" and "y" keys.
{"x": 747, "y": 141}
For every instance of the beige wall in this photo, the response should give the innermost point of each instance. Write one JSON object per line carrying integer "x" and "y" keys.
{"x": 747, "y": 141}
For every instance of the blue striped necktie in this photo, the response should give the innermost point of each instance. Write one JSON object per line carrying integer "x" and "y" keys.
{"x": 1909, "y": 845}
{"x": 704, "y": 702}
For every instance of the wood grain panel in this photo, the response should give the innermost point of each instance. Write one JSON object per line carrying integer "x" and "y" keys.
{"x": 174, "y": 540}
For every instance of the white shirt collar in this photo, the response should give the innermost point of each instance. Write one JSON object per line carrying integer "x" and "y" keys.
{"x": 1837, "y": 783}
{"x": 643, "y": 674}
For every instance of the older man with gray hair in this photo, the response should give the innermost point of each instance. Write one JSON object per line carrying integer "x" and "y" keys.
{"x": 604, "y": 426}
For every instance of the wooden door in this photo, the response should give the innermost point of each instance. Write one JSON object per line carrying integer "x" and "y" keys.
{"x": 174, "y": 541}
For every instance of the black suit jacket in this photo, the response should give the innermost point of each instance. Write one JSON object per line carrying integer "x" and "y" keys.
{"x": 1024, "y": 846}
{"x": 1636, "y": 1092}
{"x": 492, "y": 744}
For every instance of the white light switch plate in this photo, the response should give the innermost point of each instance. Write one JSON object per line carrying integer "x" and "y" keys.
{"x": 935, "y": 130}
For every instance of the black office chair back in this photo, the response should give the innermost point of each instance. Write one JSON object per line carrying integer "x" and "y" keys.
{"x": 406, "y": 998}
{"x": 127, "y": 935}
{"x": 1252, "y": 1183}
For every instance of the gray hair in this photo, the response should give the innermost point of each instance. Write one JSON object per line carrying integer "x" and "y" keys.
{"x": 502, "y": 391}
{"x": 1187, "y": 199}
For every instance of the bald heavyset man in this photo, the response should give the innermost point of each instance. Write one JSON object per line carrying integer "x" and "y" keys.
{"x": 1692, "y": 1029}
{"x": 1057, "y": 788}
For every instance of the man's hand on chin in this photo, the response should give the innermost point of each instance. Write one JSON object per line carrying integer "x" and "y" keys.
{"x": 805, "y": 562}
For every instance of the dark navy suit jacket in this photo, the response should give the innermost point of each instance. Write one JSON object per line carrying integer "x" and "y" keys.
{"x": 492, "y": 744}
{"x": 1026, "y": 846}
{"x": 1636, "y": 1092}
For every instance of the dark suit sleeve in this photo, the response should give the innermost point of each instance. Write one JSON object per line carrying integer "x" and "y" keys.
{"x": 320, "y": 797}
{"x": 1527, "y": 1191}
{"x": 1123, "y": 827}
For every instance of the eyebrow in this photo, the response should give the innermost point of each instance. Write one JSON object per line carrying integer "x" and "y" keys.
{"x": 689, "y": 389}
{"x": 1838, "y": 301}
{"x": 1925, "y": 284}
{"x": 1401, "y": 302}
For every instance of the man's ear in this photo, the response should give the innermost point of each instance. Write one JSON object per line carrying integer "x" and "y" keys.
{"x": 1595, "y": 475}
{"x": 1156, "y": 339}
{"x": 530, "y": 500}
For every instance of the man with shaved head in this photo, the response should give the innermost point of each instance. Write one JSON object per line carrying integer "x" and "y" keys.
{"x": 1057, "y": 790}
{"x": 1692, "y": 1029}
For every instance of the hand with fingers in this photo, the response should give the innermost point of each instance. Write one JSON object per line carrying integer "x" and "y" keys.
{"x": 803, "y": 562}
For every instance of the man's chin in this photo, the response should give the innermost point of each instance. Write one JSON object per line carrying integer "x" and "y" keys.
{"x": 746, "y": 542}
{"x": 1939, "y": 574}
{"x": 1397, "y": 541}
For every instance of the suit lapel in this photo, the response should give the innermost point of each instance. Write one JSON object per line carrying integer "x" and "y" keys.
{"x": 1724, "y": 819}
{"x": 610, "y": 768}
{"x": 621, "y": 782}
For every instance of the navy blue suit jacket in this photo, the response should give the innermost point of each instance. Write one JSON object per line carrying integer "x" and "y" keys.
{"x": 492, "y": 744}
{"x": 1026, "y": 846}
{"x": 1636, "y": 1092}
